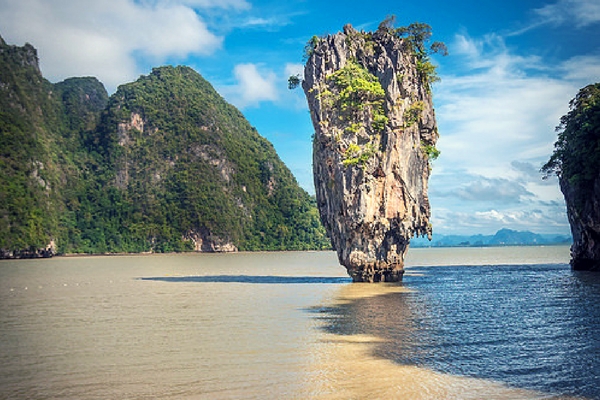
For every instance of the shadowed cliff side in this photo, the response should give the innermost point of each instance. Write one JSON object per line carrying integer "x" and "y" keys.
{"x": 576, "y": 161}
{"x": 375, "y": 134}
{"x": 40, "y": 151}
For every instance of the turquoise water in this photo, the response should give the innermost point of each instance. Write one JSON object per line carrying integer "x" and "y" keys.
{"x": 529, "y": 326}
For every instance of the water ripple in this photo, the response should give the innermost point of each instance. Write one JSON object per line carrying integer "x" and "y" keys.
{"x": 530, "y": 326}
{"x": 251, "y": 279}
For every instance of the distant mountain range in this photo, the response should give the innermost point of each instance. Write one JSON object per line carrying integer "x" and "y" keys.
{"x": 504, "y": 237}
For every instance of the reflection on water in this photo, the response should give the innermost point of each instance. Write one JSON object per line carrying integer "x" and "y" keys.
{"x": 532, "y": 327}
{"x": 291, "y": 325}
{"x": 352, "y": 362}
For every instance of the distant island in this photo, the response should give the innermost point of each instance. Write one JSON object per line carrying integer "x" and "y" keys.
{"x": 504, "y": 237}
{"x": 164, "y": 164}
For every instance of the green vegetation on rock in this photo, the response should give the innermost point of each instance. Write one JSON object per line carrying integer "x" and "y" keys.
{"x": 359, "y": 96}
{"x": 357, "y": 155}
{"x": 39, "y": 147}
{"x": 576, "y": 156}
{"x": 418, "y": 35}
{"x": 432, "y": 152}
{"x": 356, "y": 89}
{"x": 310, "y": 46}
{"x": 165, "y": 164}
{"x": 576, "y": 161}
{"x": 413, "y": 113}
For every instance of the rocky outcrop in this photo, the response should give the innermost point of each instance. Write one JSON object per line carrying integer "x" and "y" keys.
{"x": 375, "y": 132}
{"x": 25, "y": 56}
{"x": 206, "y": 242}
{"x": 583, "y": 211}
{"x": 576, "y": 162}
{"x": 48, "y": 252}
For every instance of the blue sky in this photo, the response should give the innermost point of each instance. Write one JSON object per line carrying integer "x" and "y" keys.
{"x": 512, "y": 69}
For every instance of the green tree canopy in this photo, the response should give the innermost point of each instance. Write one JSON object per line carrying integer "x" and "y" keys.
{"x": 576, "y": 156}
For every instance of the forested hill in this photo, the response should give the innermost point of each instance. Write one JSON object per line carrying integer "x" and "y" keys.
{"x": 164, "y": 164}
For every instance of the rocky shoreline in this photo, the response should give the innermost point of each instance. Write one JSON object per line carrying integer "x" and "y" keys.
{"x": 26, "y": 254}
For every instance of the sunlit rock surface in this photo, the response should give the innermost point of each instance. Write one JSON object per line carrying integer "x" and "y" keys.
{"x": 375, "y": 131}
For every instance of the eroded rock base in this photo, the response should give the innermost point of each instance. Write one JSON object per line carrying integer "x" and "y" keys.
{"x": 583, "y": 210}
{"x": 372, "y": 275}
{"x": 585, "y": 264}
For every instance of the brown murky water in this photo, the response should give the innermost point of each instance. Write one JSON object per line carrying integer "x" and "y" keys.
{"x": 201, "y": 326}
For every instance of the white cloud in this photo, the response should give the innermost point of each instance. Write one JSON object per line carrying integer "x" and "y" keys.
{"x": 502, "y": 107}
{"x": 497, "y": 114}
{"x": 580, "y": 12}
{"x": 577, "y": 13}
{"x": 256, "y": 84}
{"x": 269, "y": 23}
{"x": 584, "y": 69}
{"x": 103, "y": 38}
{"x": 551, "y": 219}
{"x": 294, "y": 69}
{"x": 491, "y": 190}
{"x": 253, "y": 86}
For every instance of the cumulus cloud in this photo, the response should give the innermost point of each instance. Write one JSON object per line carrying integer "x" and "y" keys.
{"x": 500, "y": 190}
{"x": 104, "y": 38}
{"x": 502, "y": 107}
{"x": 497, "y": 112}
{"x": 254, "y": 85}
{"x": 528, "y": 173}
{"x": 551, "y": 219}
{"x": 581, "y": 68}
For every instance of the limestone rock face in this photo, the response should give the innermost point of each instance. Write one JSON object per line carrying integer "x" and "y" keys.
{"x": 576, "y": 162}
{"x": 583, "y": 211}
{"x": 206, "y": 242}
{"x": 375, "y": 131}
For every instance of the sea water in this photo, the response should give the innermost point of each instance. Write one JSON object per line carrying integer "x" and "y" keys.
{"x": 506, "y": 323}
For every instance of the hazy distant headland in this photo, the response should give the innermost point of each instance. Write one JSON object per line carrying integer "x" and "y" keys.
{"x": 504, "y": 237}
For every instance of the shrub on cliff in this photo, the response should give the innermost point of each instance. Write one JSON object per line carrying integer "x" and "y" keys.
{"x": 576, "y": 156}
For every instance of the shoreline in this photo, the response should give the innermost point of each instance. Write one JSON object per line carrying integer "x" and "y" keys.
{"x": 143, "y": 254}
{"x": 39, "y": 256}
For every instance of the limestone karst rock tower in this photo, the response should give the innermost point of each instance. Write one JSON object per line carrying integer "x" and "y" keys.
{"x": 375, "y": 133}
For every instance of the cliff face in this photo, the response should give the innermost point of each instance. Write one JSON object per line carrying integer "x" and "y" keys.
{"x": 39, "y": 138}
{"x": 583, "y": 211}
{"x": 576, "y": 161}
{"x": 375, "y": 132}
